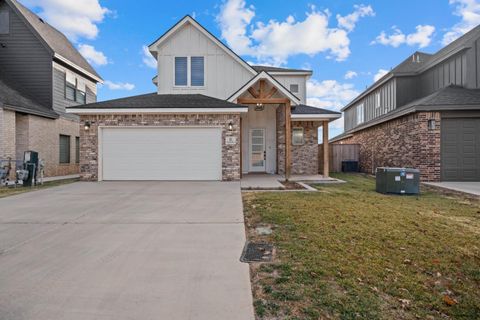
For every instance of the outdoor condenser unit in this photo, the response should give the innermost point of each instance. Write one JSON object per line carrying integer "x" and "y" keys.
{"x": 398, "y": 180}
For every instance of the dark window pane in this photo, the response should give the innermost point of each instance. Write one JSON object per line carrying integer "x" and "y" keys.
{"x": 181, "y": 71}
{"x": 80, "y": 97}
{"x": 70, "y": 93}
{"x": 197, "y": 71}
{"x": 294, "y": 88}
{"x": 64, "y": 149}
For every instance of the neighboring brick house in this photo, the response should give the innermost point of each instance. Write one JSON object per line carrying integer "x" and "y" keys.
{"x": 41, "y": 74}
{"x": 213, "y": 117}
{"x": 425, "y": 113}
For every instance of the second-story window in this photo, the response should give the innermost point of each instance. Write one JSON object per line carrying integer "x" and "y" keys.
{"x": 197, "y": 67}
{"x": 377, "y": 100}
{"x": 181, "y": 71}
{"x": 189, "y": 71}
{"x": 294, "y": 88}
{"x": 360, "y": 113}
{"x": 75, "y": 89}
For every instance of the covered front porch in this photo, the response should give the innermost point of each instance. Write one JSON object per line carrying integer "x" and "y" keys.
{"x": 279, "y": 135}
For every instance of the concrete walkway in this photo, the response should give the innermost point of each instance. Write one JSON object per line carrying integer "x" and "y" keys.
{"x": 124, "y": 250}
{"x": 57, "y": 178}
{"x": 467, "y": 187}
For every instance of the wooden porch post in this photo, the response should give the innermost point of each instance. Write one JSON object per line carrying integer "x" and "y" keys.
{"x": 326, "y": 169}
{"x": 288, "y": 138}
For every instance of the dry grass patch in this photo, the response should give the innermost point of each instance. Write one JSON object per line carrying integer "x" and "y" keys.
{"x": 348, "y": 252}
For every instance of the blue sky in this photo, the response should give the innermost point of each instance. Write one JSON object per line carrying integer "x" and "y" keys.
{"x": 345, "y": 43}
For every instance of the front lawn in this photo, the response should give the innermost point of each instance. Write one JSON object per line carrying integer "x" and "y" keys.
{"x": 347, "y": 252}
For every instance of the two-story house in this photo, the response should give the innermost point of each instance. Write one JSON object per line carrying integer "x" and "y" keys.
{"x": 41, "y": 74}
{"x": 425, "y": 113}
{"x": 213, "y": 117}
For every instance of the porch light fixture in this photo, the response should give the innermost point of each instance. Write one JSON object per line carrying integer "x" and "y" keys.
{"x": 87, "y": 126}
{"x": 431, "y": 124}
{"x": 230, "y": 126}
{"x": 259, "y": 107}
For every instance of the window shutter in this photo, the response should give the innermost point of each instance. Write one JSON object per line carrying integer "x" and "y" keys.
{"x": 181, "y": 71}
{"x": 197, "y": 71}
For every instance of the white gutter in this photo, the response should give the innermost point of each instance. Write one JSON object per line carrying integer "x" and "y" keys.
{"x": 155, "y": 110}
{"x": 312, "y": 117}
{"x": 65, "y": 60}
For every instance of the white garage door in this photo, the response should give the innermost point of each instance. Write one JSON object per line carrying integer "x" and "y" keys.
{"x": 161, "y": 153}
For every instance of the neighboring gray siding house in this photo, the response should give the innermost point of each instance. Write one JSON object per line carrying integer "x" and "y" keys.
{"x": 212, "y": 117}
{"x": 424, "y": 113}
{"x": 41, "y": 74}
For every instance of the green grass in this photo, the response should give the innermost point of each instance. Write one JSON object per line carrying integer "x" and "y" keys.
{"x": 348, "y": 252}
{"x": 6, "y": 192}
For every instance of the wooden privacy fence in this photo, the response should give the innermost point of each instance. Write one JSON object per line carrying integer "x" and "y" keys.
{"x": 337, "y": 154}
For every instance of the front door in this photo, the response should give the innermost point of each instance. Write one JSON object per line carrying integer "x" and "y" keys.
{"x": 257, "y": 150}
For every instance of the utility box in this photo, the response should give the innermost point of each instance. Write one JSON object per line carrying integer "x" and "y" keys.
{"x": 398, "y": 180}
{"x": 30, "y": 164}
{"x": 350, "y": 166}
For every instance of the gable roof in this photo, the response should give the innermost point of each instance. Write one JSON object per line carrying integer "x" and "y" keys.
{"x": 12, "y": 99}
{"x": 188, "y": 19}
{"x": 413, "y": 63}
{"x": 155, "y": 100}
{"x": 55, "y": 41}
{"x": 269, "y": 78}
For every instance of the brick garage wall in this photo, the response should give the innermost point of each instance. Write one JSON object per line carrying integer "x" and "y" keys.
{"x": 89, "y": 139}
{"x": 7, "y": 134}
{"x": 44, "y": 137}
{"x": 304, "y": 157}
{"x": 402, "y": 142}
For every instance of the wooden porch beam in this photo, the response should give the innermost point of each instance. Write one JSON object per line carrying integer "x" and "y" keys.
{"x": 326, "y": 157}
{"x": 253, "y": 92}
{"x": 271, "y": 93}
{"x": 262, "y": 88}
{"x": 288, "y": 143}
{"x": 263, "y": 101}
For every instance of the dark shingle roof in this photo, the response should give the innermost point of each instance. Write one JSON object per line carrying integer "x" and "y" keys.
{"x": 12, "y": 99}
{"x": 451, "y": 95}
{"x": 413, "y": 63}
{"x": 54, "y": 39}
{"x": 154, "y": 100}
{"x": 304, "y": 109}
{"x": 277, "y": 69}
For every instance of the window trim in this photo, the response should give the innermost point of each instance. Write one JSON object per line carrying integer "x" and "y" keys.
{"x": 303, "y": 136}
{"x": 378, "y": 100}
{"x": 189, "y": 71}
{"x": 362, "y": 118}
{"x": 60, "y": 150}
{"x": 75, "y": 89}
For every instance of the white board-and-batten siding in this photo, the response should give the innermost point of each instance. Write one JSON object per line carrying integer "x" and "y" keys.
{"x": 223, "y": 74}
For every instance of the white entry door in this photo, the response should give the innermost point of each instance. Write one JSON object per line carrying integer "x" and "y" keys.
{"x": 149, "y": 153}
{"x": 257, "y": 150}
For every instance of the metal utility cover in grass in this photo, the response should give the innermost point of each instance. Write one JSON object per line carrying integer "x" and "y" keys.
{"x": 257, "y": 252}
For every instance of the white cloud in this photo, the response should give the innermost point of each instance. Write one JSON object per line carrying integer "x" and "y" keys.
{"x": 350, "y": 75}
{"x": 422, "y": 37}
{"x": 92, "y": 55}
{"x": 380, "y": 73}
{"x": 273, "y": 42}
{"x": 76, "y": 19}
{"x": 349, "y": 21}
{"x": 119, "y": 85}
{"x": 469, "y": 12}
{"x": 148, "y": 59}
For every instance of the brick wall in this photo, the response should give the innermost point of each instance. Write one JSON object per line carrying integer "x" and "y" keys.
{"x": 304, "y": 157}
{"x": 21, "y": 132}
{"x": 402, "y": 142}
{"x": 89, "y": 139}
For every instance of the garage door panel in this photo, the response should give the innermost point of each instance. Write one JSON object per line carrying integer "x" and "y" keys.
{"x": 161, "y": 154}
{"x": 460, "y": 149}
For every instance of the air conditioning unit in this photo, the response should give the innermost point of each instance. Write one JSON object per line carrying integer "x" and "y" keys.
{"x": 397, "y": 180}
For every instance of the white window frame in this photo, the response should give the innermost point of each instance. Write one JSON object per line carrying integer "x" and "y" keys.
{"x": 189, "y": 71}
{"x": 293, "y": 136}
{"x": 378, "y": 99}
{"x": 360, "y": 110}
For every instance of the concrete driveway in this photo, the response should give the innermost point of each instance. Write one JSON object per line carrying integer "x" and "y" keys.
{"x": 466, "y": 187}
{"x": 124, "y": 250}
